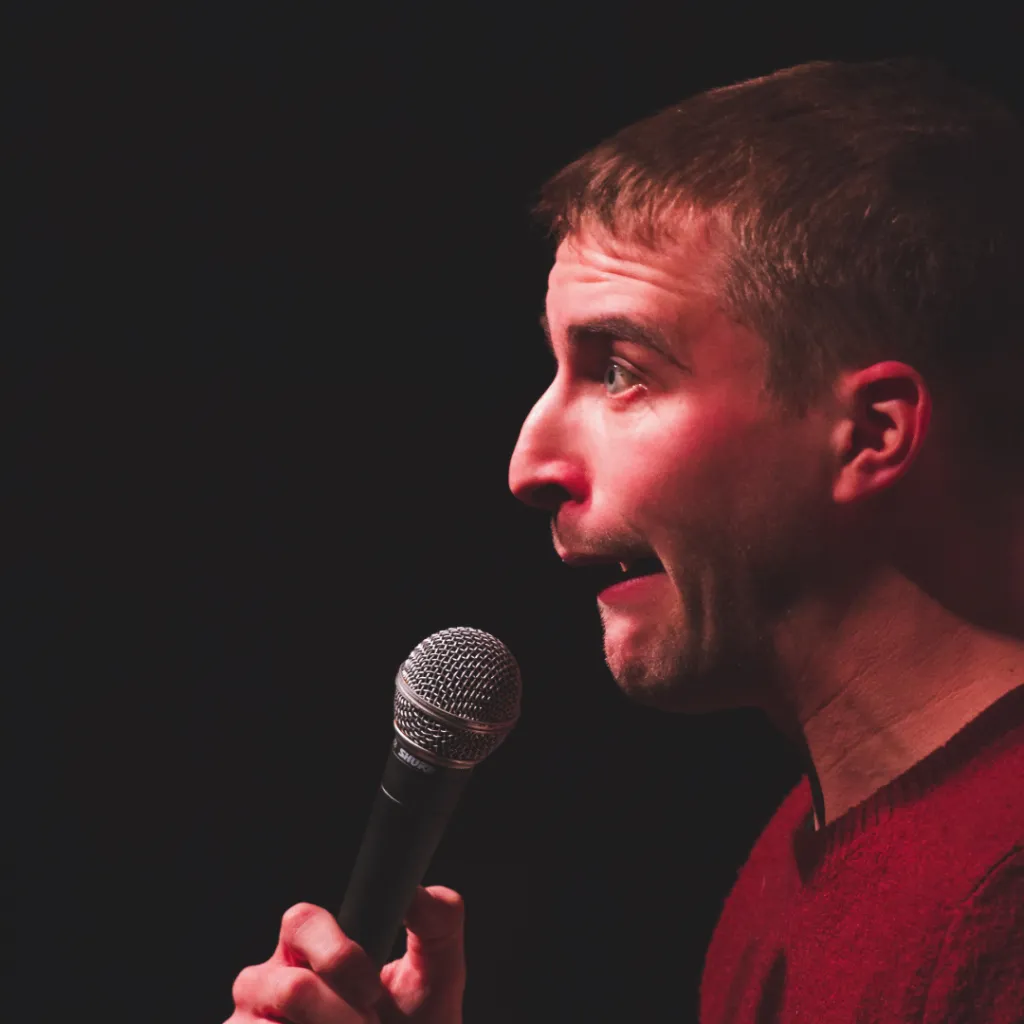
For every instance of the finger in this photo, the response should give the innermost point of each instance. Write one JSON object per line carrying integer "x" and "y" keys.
{"x": 436, "y": 928}
{"x": 311, "y": 936}
{"x": 276, "y": 991}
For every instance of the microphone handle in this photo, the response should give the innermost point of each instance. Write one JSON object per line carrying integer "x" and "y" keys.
{"x": 413, "y": 805}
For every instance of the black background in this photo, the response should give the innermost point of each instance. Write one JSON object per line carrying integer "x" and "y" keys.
{"x": 272, "y": 319}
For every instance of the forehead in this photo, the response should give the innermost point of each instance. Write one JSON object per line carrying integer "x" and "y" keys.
{"x": 595, "y": 274}
{"x": 673, "y": 292}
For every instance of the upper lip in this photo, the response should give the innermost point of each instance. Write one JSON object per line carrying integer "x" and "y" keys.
{"x": 571, "y": 557}
{"x": 621, "y": 557}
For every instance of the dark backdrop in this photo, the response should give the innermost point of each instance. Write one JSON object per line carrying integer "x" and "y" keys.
{"x": 272, "y": 324}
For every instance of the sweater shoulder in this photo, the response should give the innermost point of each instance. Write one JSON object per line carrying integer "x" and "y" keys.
{"x": 979, "y": 972}
{"x": 975, "y": 816}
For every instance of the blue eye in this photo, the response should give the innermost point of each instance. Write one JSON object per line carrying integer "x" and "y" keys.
{"x": 617, "y": 379}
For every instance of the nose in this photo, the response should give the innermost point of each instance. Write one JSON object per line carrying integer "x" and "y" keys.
{"x": 547, "y": 468}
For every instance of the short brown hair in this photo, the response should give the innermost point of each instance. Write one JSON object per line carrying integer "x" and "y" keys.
{"x": 864, "y": 211}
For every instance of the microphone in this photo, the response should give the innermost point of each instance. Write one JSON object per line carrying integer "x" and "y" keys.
{"x": 457, "y": 697}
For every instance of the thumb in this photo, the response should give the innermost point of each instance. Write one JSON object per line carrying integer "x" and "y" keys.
{"x": 435, "y": 931}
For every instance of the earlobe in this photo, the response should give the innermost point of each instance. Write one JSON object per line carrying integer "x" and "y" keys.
{"x": 886, "y": 412}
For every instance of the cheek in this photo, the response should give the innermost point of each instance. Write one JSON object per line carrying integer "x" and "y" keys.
{"x": 694, "y": 458}
{"x": 714, "y": 471}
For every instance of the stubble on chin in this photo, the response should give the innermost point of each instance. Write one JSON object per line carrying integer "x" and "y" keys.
{"x": 649, "y": 667}
{"x": 678, "y": 667}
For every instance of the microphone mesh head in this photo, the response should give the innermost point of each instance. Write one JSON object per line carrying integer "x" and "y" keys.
{"x": 463, "y": 697}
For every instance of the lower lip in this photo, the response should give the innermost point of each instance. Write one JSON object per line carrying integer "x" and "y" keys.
{"x": 632, "y": 590}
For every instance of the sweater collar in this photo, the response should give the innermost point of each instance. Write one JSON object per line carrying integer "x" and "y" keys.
{"x": 997, "y": 721}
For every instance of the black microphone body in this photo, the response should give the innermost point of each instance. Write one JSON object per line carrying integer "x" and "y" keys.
{"x": 413, "y": 805}
{"x": 457, "y": 696}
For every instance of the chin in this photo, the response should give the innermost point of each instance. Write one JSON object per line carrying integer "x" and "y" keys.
{"x": 635, "y": 647}
{"x": 671, "y": 675}
{"x": 647, "y": 670}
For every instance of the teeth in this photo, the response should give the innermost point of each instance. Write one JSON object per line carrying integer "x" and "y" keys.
{"x": 624, "y": 566}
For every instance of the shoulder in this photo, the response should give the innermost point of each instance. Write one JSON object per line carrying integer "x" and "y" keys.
{"x": 979, "y": 972}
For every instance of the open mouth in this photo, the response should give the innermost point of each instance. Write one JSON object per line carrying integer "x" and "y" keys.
{"x": 641, "y": 567}
{"x": 606, "y": 575}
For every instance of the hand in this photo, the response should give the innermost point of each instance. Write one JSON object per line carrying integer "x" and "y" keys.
{"x": 318, "y": 975}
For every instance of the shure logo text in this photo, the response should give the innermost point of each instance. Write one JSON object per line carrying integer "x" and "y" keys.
{"x": 415, "y": 762}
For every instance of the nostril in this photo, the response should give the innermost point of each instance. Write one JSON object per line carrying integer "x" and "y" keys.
{"x": 547, "y": 496}
{"x": 546, "y": 483}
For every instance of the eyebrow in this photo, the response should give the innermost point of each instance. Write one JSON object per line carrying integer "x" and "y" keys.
{"x": 615, "y": 328}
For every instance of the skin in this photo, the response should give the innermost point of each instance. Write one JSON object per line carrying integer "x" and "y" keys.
{"x": 317, "y": 975}
{"x": 838, "y": 570}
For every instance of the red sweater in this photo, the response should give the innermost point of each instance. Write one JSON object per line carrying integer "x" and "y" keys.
{"x": 908, "y": 908}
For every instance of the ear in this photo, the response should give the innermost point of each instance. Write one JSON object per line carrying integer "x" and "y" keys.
{"x": 885, "y": 410}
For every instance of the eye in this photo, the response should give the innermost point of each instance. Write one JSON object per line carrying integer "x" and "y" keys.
{"x": 618, "y": 379}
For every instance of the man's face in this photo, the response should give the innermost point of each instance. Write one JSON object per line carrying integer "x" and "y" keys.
{"x": 656, "y": 445}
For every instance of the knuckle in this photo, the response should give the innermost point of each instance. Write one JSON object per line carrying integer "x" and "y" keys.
{"x": 295, "y": 917}
{"x": 292, "y": 990}
{"x": 342, "y": 957}
{"x": 246, "y": 984}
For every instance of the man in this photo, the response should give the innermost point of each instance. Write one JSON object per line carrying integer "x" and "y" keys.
{"x": 788, "y": 323}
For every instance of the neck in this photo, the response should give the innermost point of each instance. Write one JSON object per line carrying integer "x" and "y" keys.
{"x": 891, "y": 675}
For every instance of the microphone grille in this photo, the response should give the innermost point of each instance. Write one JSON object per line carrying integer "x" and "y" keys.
{"x": 462, "y": 692}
